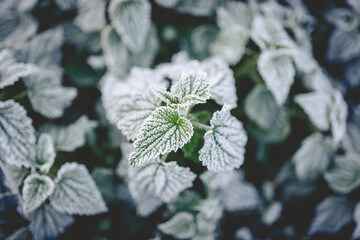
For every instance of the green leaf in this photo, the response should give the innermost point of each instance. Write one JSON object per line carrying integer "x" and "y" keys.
{"x": 17, "y": 135}
{"x": 182, "y": 225}
{"x": 224, "y": 146}
{"x": 192, "y": 88}
{"x": 313, "y": 157}
{"x": 45, "y": 152}
{"x": 68, "y": 138}
{"x": 164, "y": 131}
{"x": 164, "y": 180}
{"x": 131, "y": 20}
{"x": 278, "y": 73}
{"x": 345, "y": 176}
{"x": 36, "y": 190}
{"x": 76, "y": 192}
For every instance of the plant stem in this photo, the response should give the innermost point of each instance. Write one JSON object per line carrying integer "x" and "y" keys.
{"x": 6, "y": 194}
{"x": 202, "y": 126}
{"x": 21, "y": 95}
{"x": 163, "y": 157}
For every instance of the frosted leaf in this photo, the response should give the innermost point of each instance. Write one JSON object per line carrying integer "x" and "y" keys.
{"x": 82, "y": 41}
{"x": 234, "y": 14}
{"x": 356, "y": 233}
{"x": 91, "y": 15}
{"x": 316, "y": 106}
{"x": 45, "y": 152}
{"x": 43, "y": 50}
{"x": 198, "y": 8}
{"x": 16, "y": 27}
{"x": 331, "y": 215}
{"x": 343, "y": 45}
{"x": 272, "y": 213}
{"x": 66, "y": 5}
{"x": 68, "y": 138}
{"x": 97, "y": 62}
{"x": 14, "y": 176}
{"x": 134, "y": 110}
{"x": 201, "y": 39}
{"x": 46, "y": 94}
{"x": 278, "y": 73}
{"x": 22, "y": 233}
{"x": 269, "y": 33}
{"x": 338, "y": 116}
{"x": 210, "y": 208}
{"x": 10, "y": 70}
{"x": 304, "y": 61}
{"x": 317, "y": 81}
{"x": 76, "y": 192}
{"x": 131, "y": 20}
{"x": 243, "y": 233}
{"x": 167, "y": 3}
{"x": 352, "y": 74}
{"x": 164, "y": 131}
{"x": 233, "y": 191}
{"x": 224, "y": 146}
{"x": 222, "y": 81}
{"x": 26, "y": 5}
{"x": 344, "y": 177}
{"x": 342, "y": 18}
{"x": 354, "y": 4}
{"x": 351, "y": 141}
{"x": 260, "y": 106}
{"x": 313, "y": 157}
{"x": 17, "y": 135}
{"x": 164, "y": 180}
{"x": 47, "y": 223}
{"x": 146, "y": 203}
{"x": 192, "y": 88}
{"x": 182, "y": 225}
{"x": 205, "y": 228}
{"x": 37, "y": 188}
{"x": 229, "y": 45}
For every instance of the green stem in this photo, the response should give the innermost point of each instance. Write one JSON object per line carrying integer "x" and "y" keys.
{"x": 21, "y": 95}
{"x": 202, "y": 126}
{"x": 163, "y": 157}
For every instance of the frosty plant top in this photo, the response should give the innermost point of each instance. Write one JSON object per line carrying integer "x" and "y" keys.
{"x": 168, "y": 127}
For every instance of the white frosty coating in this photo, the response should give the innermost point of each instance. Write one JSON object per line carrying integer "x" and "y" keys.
{"x": 272, "y": 213}
{"x": 45, "y": 152}
{"x": 317, "y": 106}
{"x": 134, "y": 110}
{"x": 163, "y": 180}
{"x": 91, "y": 15}
{"x": 233, "y": 191}
{"x": 313, "y": 157}
{"x": 192, "y": 88}
{"x": 164, "y": 131}
{"x": 10, "y": 70}
{"x": 182, "y": 226}
{"x": 343, "y": 45}
{"x": 224, "y": 146}
{"x": 76, "y": 192}
{"x": 345, "y": 176}
{"x": 167, "y": 3}
{"x": 338, "y": 115}
{"x": 331, "y": 215}
{"x": 47, "y": 223}
{"x": 17, "y": 135}
{"x": 356, "y": 233}
{"x": 132, "y": 20}
{"x": 37, "y": 188}
{"x": 234, "y": 15}
{"x": 68, "y": 138}
{"x": 199, "y": 8}
{"x": 278, "y": 73}
{"x": 210, "y": 208}
{"x": 14, "y": 176}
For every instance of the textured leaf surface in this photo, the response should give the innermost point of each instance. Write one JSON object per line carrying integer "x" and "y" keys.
{"x": 313, "y": 157}
{"x": 36, "y": 190}
{"x": 164, "y": 180}
{"x": 331, "y": 215}
{"x": 345, "y": 176}
{"x": 76, "y": 192}
{"x": 10, "y": 70}
{"x": 91, "y": 15}
{"x": 17, "y": 135}
{"x": 182, "y": 225}
{"x": 316, "y": 105}
{"x": 278, "y": 73}
{"x": 131, "y": 20}
{"x": 14, "y": 176}
{"x": 68, "y": 138}
{"x": 343, "y": 45}
{"x": 45, "y": 152}
{"x": 224, "y": 146}
{"x": 164, "y": 131}
{"x": 47, "y": 223}
{"x": 338, "y": 116}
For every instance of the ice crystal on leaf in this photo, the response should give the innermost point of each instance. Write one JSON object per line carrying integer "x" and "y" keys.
{"x": 45, "y": 152}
